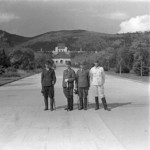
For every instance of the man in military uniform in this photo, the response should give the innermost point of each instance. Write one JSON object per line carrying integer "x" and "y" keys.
{"x": 97, "y": 76}
{"x": 48, "y": 79}
{"x": 82, "y": 85}
{"x": 68, "y": 85}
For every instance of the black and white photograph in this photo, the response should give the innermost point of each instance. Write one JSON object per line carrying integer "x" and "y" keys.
{"x": 74, "y": 75}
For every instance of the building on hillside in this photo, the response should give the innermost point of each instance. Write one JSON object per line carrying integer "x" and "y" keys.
{"x": 61, "y": 48}
{"x": 61, "y": 54}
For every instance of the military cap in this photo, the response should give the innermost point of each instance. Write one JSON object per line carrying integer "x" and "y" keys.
{"x": 83, "y": 63}
{"x": 96, "y": 61}
{"x": 68, "y": 63}
{"x": 48, "y": 62}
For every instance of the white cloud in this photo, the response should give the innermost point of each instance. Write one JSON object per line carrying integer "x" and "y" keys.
{"x": 6, "y": 17}
{"x": 116, "y": 16}
{"x": 138, "y": 23}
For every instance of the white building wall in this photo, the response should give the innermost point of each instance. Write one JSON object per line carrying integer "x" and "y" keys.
{"x": 61, "y": 61}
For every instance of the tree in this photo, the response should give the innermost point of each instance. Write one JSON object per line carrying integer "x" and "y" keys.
{"x": 22, "y": 58}
{"x": 40, "y": 59}
{"x": 122, "y": 65}
{"x": 4, "y": 59}
{"x": 141, "y": 60}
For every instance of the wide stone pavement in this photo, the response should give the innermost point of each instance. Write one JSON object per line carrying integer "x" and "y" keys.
{"x": 25, "y": 126}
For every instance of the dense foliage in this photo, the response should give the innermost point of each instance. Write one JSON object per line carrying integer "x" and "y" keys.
{"x": 22, "y": 58}
{"x": 124, "y": 52}
{"x": 130, "y": 53}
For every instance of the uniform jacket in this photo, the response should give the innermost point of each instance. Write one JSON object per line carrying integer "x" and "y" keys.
{"x": 97, "y": 76}
{"x": 70, "y": 75}
{"x": 82, "y": 78}
{"x": 48, "y": 77}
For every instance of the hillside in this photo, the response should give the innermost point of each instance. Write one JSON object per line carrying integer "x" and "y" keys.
{"x": 13, "y": 39}
{"x": 76, "y": 39}
{"x": 124, "y": 52}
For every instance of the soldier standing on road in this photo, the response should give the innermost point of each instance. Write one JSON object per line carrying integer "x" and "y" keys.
{"x": 68, "y": 85}
{"x": 97, "y": 76}
{"x": 82, "y": 85}
{"x": 48, "y": 79}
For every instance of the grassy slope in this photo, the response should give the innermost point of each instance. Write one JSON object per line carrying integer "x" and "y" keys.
{"x": 71, "y": 38}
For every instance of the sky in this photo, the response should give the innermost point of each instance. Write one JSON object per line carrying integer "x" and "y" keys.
{"x": 33, "y": 17}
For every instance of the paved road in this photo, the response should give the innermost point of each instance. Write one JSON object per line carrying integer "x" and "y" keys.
{"x": 25, "y": 126}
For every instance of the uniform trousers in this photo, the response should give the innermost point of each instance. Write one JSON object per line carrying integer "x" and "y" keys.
{"x": 83, "y": 93}
{"x": 68, "y": 92}
{"x": 48, "y": 91}
{"x": 98, "y": 91}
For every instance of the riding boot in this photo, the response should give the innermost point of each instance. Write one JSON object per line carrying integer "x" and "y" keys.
{"x": 68, "y": 104}
{"x": 97, "y": 103}
{"x": 105, "y": 104}
{"x": 81, "y": 104}
{"x": 46, "y": 103}
{"x": 85, "y": 103}
{"x": 51, "y": 104}
{"x": 71, "y": 103}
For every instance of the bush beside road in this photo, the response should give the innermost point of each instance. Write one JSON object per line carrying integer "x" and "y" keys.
{"x": 132, "y": 76}
{"x": 11, "y": 76}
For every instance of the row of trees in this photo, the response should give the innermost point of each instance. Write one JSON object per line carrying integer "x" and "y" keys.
{"x": 24, "y": 58}
{"x": 124, "y": 52}
{"x": 19, "y": 57}
{"x": 122, "y": 58}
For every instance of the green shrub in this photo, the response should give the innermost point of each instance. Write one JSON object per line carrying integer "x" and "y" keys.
{"x": 11, "y": 74}
{"x": 11, "y": 69}
{"x": 123, "y": 69}
{"x": 2, "y": 69}
{"x": 21, "y": 72}
{"x": 22, "y": 58}
{"x": 138, "y": 71}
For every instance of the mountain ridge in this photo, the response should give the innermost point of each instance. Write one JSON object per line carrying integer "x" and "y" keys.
{"x": 73, "y": 39}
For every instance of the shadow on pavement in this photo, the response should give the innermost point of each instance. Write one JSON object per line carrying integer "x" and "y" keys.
{"x": 114, "y": 105}
{"x": 111, "y": 105}
{"x": 75, "y": 106}
{"x": 92, "y": 105}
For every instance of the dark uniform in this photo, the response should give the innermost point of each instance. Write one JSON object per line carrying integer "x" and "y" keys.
{"x": 48, "y": 79}
{"x": 68, "y": 86}
{"x": 83, "y": 84}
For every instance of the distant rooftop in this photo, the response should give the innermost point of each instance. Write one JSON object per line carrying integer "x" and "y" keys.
{"x": 61, "y": 47}
{"x": 61, "y": 44}
{"x": 62, "y": 55}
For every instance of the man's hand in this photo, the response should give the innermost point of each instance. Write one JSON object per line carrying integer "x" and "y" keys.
{"x": 76, "y": 91}
{"x": 53, "y": 82}
{"x": 42, "y": 91}
{"x": 75, "y": 88}
{"x": 66, "y": 80}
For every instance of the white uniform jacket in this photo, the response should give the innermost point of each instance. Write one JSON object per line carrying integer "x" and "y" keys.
{"x": 97, "y": 76}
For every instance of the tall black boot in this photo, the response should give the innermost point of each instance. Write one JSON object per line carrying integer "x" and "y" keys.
{"x": 105, "y": 104}
{"x": 97, "y": 103}
{"x": 71, "y": 104}
{"x": 85, "y": 103}
{"x": 51, "y": 104}
{"x": 68, "y": 104}
{"x": 46, "y": 103}
{"x": 81, "y": 104}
